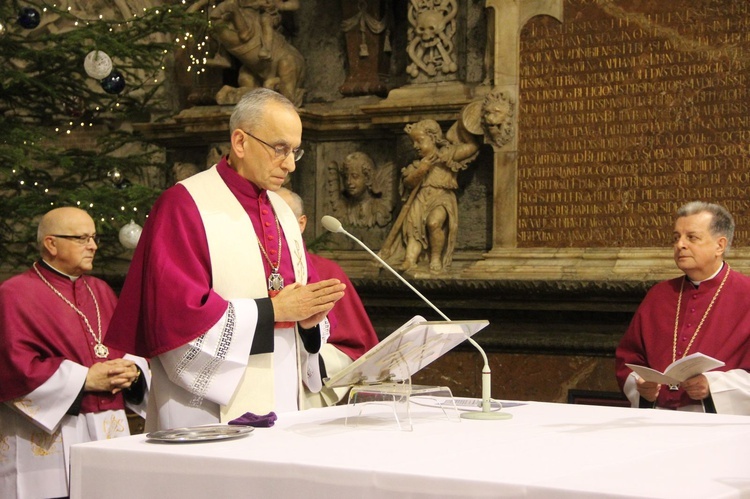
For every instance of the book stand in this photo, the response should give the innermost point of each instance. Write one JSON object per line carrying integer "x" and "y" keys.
{"x": 383, "y": 374}
{"x": 398, "y": 397}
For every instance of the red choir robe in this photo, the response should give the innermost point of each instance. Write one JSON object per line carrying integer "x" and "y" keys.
{"x": 351, "y": 334}
{"x": 724, "y": 335}
{"x": 351, "y": 329}
{"x": 47, "y": 350}
{"x": 168, "y": 298}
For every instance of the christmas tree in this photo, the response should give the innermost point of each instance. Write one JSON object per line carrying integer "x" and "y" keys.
{"x": 73, "y": 77}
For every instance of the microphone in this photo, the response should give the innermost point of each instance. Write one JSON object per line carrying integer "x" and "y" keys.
{"x": 332, "y": 224}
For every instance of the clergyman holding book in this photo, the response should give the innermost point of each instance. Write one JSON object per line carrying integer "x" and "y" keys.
{"x": 705, "y": 311}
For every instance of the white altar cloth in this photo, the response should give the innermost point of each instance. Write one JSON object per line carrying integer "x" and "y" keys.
{"x": 545, "y": 450}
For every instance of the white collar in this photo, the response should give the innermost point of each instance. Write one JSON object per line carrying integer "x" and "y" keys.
{"x": 697, "y": 283}
{"x": 71, "y": 277}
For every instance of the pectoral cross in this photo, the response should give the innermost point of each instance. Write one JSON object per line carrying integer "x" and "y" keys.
{"x": 275, "y": 281}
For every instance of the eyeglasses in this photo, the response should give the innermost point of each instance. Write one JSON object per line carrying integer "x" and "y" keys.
{"x": 281, "y": 150}
{"x": 82, "y": 240}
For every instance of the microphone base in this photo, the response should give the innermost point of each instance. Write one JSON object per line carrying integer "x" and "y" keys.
{"x": 496, "y": 415}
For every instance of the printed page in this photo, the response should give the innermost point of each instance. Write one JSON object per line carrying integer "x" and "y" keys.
{"x": 679, "y": 370}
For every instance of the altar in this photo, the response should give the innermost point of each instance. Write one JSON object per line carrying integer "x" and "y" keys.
{"x": 545, "y": 450}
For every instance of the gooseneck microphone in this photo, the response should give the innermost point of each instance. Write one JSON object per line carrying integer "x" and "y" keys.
{"x": 332, "y": 224}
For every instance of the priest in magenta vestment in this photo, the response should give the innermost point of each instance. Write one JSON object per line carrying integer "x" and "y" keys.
{"x": 218, "y": 294}
{"x": 60, "y": 384}
{"x": 707, "y": 310}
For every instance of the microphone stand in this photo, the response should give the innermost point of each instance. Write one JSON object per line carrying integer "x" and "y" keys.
{"x": 333, "y": 225}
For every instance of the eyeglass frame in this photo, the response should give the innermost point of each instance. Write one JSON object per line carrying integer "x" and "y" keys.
{"x": 281, "y": 151}
{"x": 81, "y": 240}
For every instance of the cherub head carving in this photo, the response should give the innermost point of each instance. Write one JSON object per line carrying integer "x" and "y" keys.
{"x": 357, "y": 174}
{"x": 360, "y": 193}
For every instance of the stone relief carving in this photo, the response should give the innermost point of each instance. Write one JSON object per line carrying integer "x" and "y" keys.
{"x": 364, "y": 22}
{"x": 498, "y": 117}
{"x": 359, "y": 193}
{"x": 182, "y": 169}
{"x": 428, "y": 222}
{"x": 367, "y": 29}
{"x": 247, "y": 29}
{"x": 430, "y": 37}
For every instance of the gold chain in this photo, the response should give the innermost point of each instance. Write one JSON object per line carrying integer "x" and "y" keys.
{"x": 100, "y": 350}
{"x": 274, "y": 268}
{"x": 677, "y": 316}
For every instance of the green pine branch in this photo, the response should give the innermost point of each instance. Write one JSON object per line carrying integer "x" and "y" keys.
{"x": 45, "y": 93}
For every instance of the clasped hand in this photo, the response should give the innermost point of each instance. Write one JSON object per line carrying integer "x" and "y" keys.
{"x": 111, "y": 376}
{"x": 696, "y": 388}
{"x": 307, "y": 304}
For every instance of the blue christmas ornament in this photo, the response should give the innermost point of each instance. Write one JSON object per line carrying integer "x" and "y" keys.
{"x": 114, "y": 83}
{"x": 29, "y": 18}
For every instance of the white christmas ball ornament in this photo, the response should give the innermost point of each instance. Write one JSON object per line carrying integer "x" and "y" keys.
{"x": 97, "y": 64}
{"x": 130, "y": 234}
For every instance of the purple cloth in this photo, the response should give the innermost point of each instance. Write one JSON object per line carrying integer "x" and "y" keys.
{"x": 250, "y": 419}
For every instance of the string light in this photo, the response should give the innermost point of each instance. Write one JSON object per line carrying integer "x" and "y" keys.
{"x": 110, "y": 104}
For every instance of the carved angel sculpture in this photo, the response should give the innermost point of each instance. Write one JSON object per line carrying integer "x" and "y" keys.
{"x": 359, "y": 193}
{"x": 428, "y": 222}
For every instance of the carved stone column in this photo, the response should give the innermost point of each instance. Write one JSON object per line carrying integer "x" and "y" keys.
{"x": 509, "y": 17}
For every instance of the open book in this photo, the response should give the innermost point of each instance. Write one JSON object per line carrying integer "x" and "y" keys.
{"x": 405, "y": 351}
{"x": 679, "y": 370}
